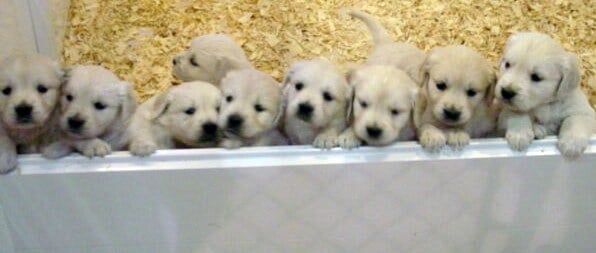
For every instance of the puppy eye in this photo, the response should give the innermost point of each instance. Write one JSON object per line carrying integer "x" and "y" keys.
{"x": 99, "y": 106}
{"x": 190, "y": 111}
{"x": 471, "y": 92}
{"x": 193, "y": 61}
{"x": 507, "y": 65}
{"x": 363, "y": 104}
{"x": 259, "y": 108}
{"x": 327, "y": 96}
{"x": 535, "y": 77}
{"x": 229, "y": 99}
{"x": 394, "y": 112}
{"x": 441, "y": 86}
{"x": 217, "y": 109}
{"x": 299, "y": 86}
{"x": 42, "y": 89}
{"x": 69, "y": 97}
{"x": 6, "y": 91}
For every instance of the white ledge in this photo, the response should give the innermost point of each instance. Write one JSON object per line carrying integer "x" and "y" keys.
{"x": 216, "y": 158}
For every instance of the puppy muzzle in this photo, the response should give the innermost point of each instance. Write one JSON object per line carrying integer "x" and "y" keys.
{"x": 305, "y": 112}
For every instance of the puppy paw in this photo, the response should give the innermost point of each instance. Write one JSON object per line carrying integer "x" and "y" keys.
{"x": 95, "y": 148}
{"x": 8, "y": 161}
{"x": 432, "y": 141}
{"x": 231, "y": 144}
{"x": 56, "y": 150}
{"x": 325, "y": 141}
{"x": 348, "y": 140}
{"x": 540, "y": 131}
{"x": 571, "y": 147}
{"x": 458, "y": 140}
{"x": 142, "y": 148}
{"x": 519, "y": 140}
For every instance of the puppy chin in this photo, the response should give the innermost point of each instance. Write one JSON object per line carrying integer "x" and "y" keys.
{"x": 514, "y": 106}
{"x": 22, "y": 125}
{"x": 77, "y": 135}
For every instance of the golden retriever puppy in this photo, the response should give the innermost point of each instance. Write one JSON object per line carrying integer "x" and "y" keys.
{"x": 251, "y": 109}
{"x": 95, "y": 110}
{"x": 184, "y": 116}
{"x": 539, "y": 88}
{"x": 29, "y": 91}
{"x": 317, "y": 96}
{"x": 209, "y": 58}
{"x": 455, "y": 102}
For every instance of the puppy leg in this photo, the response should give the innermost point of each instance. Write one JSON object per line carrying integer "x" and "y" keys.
{"x": 458, "y": 139}
{"x": 348, "y": 139}
{"x": 8, "y": 154}
{"x": 92, "y": 148}
{"x": 231, "y": 143}
{"x": 540, "y": 131}
{"x": 519, "y": 132}
{"x": 327, "y": 139}
{"x": 56, "y": 150}
{"x": 574, "y": 135}
{"x": 431, "y": 138}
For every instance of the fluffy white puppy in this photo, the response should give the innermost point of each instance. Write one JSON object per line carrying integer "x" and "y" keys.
{"x": 184, "y": 116}
{"x": 29, "y": 91}
{"x": 317, "y": 96}
{"x": 95, "y": 110}
{"x": 455, "y": 102}
{"x": 251, "y": 109}
{"x": 209, "y": 58}
{"x": 539, "y": 86}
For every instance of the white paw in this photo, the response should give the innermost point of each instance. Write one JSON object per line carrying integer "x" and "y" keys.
{"x": 458, "y": 140}
{"x": 571, "y": 147}
{"x": 519, "y": 140}
{"x": 231, "y": 144}
{"x": 325, "y": 141}
{"x": 539, "y": 131}
{"x": 348, "y": 141}
{"x": 142, "y": 148}
{"x": 56, "y": 150}
{"x": 8, "y": 161}
{"x": 432, "y": 141}
{"x": 97, "y": 148}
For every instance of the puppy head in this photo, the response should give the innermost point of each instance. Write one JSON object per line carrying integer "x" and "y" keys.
{"x": 251, "y": 103}
{"x": 189, "y": 112}
{"x": 383, "y": 102}
{"x": 535, "y": 70}
{"x": 208, "y": 59}
{"x": 316, "y": 92}
{"x": 29, "y": 90}
{"x": 456, "y": 79}
{"x": 93, "y": 100}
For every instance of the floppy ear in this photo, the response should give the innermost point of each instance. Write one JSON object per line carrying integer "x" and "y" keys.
{"x": 160, "y": 105}
{"x": 128, "y": 100}
{"x": 421, "y": 100}
{"x": 489, "y": 96}
{"x": 350, "y": 104}
{"x": 224, "y": 65}
{"x": 65, "y": 74}
{"x": 570, "y": 79}
{"x": 281, "y": 108}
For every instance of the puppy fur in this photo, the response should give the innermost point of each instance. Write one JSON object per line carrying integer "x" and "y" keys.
{"x": 209, "y": 58}
{"x": 385, "y": 89}
{"x": 251, "y": 109}
{"x": 95, "y": 110}
{"x": 29, "y": 91}
{"x": 456, "y": 98}
{"x": 317, "y": 96}
{"x": 539, "y": 87}
{"x": 184, "y": 116}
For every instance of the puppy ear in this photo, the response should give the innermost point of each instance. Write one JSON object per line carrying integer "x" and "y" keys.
{"x": 350, "y": 104}
{"x": 129, "y": 100}
{"x": 65, "y": 74}
{"x": 281, "y": 107}
{"x": 570, "y": 79}
{"x": 160, "y": 105}
{"x": 224, "y": 65}
{"x": 489, "y": 97}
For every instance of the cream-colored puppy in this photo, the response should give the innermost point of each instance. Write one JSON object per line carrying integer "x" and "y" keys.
{"x": 29, "y": 91}
{"x": 184, "y": 116}
{"x": 95, "y": 110}
{"x": 385, "y": 90}
{"x": 539, "y": 88}
{"x": 456, "y": 98}
{"x": 317, "y": 96}
{"x": 251, "y": 109}
{"x": 209, "y": 58}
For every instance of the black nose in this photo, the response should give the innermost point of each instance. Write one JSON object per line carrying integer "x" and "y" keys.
{"x": 209, "y": 128}
{"x": 507, "y": 93}
{"x": 75, "y": 123}
{"x": 174, "y": 61}
{"x": 374, "y": 132}
{"x": 305, "y": 109}
{"x": 235, "y": 121}
{"x": 23, "y": 110}
{"x": 451, "y": 114}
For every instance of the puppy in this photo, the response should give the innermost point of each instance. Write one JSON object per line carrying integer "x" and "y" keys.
{"x": 29, "y": 91}
{"x": 95, "y": 110}
{"x": 251, "y": 109}
{"x": 184, "y": 116}
{"x": 456, "y": 98}
{"x": 317, "y": 96}
{"x": 539, "y": 88}
{"x": 209, "y": 58}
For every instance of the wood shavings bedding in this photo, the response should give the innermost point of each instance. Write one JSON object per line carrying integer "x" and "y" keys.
{"x": 137, "y": 39}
